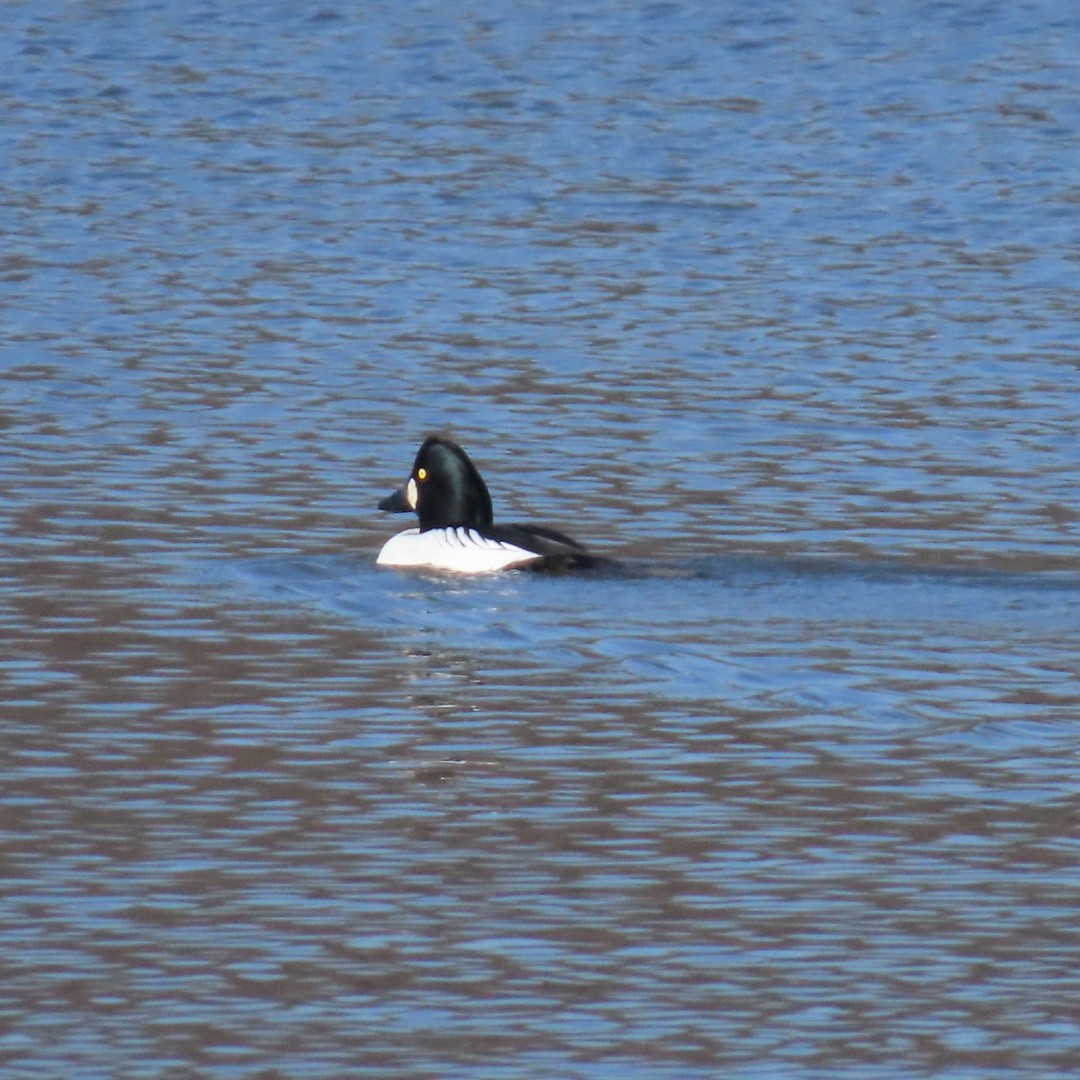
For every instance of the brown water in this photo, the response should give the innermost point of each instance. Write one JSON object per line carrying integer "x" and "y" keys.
{"x": 780, "y": 311}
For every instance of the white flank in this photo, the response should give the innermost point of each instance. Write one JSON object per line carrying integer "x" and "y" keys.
{"x": 462, "y": 550}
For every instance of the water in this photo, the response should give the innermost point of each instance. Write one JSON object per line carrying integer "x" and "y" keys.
{"x": 777, "y": 307}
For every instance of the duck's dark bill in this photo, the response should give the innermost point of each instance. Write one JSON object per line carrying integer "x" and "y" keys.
{"x": 397, "y": 503}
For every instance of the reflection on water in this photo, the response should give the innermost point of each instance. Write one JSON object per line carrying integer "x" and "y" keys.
{"x": 775, "y": 308}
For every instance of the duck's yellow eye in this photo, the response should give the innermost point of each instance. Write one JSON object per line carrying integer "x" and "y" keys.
{"x": 421, "y": 474}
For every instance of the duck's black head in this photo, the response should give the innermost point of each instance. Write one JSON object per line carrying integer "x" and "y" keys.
{"x": 444, "y": 488}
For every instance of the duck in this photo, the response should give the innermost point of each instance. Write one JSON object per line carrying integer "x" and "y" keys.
{"x": 456, "y": 528}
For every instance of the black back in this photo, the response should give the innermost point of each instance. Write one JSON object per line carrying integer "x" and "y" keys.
{"x": 450, "y": 493}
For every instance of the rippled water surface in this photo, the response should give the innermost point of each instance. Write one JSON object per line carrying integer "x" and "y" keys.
{"x": 780, "y": 309}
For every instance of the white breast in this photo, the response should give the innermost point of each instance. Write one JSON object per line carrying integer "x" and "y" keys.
{"x": 462, "y": 550}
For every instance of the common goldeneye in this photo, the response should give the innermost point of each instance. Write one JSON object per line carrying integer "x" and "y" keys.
{"x": 456, "y": 528}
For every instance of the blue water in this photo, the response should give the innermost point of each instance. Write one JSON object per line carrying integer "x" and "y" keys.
{"x": 776, "y": 307}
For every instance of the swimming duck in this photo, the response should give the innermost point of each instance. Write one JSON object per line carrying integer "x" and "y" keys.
{"x": 457, "y": 531}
